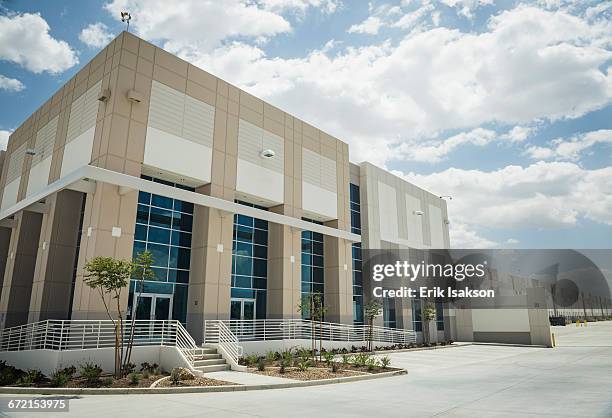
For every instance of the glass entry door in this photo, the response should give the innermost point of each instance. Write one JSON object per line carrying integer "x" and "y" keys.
{"x": 151, "y": 306}
{"x": 242, "y": 311}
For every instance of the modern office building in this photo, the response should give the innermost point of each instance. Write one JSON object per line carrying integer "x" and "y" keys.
{"x": 244, "y": 207}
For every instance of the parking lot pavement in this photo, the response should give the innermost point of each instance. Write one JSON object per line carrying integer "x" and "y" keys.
{"x": 572, "y": 380}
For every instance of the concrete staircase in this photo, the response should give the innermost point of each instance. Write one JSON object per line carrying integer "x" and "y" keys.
{"x": 207, "y": 359}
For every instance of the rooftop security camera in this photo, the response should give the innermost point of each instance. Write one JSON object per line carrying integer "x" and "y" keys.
{"x": 267, "y": 153}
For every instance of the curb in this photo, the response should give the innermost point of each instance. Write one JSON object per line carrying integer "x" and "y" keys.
{"x": 406, "y": 350}
{"x": 196, "y": 389}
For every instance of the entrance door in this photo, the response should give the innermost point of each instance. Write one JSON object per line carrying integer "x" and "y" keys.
{"x": 151, "y": 306}
{"x": 243, "y": 312}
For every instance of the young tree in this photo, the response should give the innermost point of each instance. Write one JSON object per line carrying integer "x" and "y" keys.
{"x": 428, "y": 314}
{"x": 311, "y": 306}
{"x": 141, "y": 271}
{"x": 110, "y": 277}
{"x": 371, "y": 310}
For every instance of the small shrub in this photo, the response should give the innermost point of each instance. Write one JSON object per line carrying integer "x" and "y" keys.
{"x": 328, "y": 357}
{"x": 61, "y": 377}
{"x": 285, "y": 360}
{"x": 371, "y": 363}
{"x": 270, "y": 357}
{"x": 251, "y": 359}
{"x": 261, "y": 365}
{"x": 134, "y": 378}
{"x": 304, "y": 354}
{"x": 385, "y": 362}
{"x": 335, "y": 366}
{"x": 146, "y": 375}
{"x": 303, "y": 365}
{"x": 107, "y": 381}
{"x": 129, "y": 368}
{"x": 9, "y": 374}
{"x": 346, "y": 359}
{"x": 175, "y": 376}
{"x": 31, "y": 377}
{"x": 150, "y": 368}
{"x": 90, "y": 372}
{"x": 361, "y": 359}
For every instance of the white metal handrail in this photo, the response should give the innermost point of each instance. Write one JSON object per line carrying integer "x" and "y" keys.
{"x": 291, "y": 329}
{"x": 86, "y": 334}
{"x": 228, "y": 342}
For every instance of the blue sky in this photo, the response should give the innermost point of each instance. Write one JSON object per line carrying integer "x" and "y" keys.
{"x": 505, "y": 105}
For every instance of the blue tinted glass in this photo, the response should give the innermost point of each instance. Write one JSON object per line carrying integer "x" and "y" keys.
{"x": 182, "y": 276}
{"x": 317, "y": 248}
{"x": 140, "y": 232}
{"x": 184, "y": 223}
{"x": 306, "y": 246}
{"x": 261, "y": 237}
{"x": 244, "y": 233}
{"x": 179, "y": 303}
{"x": 317, "y": 288}
{"x": 142, "y": 214}
{"x": 242, "y": 281}
{"x": 317, "y": 275}
{"x": 317, "y": 260}
{"x": 306, "y": 259}
{"x": 158, "y": 287}
{"x": 144, "y": 198}
{"x": 161, "y": 201}
{"x": 160, "y": 274}
{"x": 260, "y": 267}
{"x": 242, "y": 293}
{"x": 181, "y": 206}
{"x": 244, "y": 248}
{"x": 159, "y": 235}
{"x": 182, "y": 239}
{"x": 261, "y": 224}
{"x": 244, "y": 220}
{"x": 161, "y": 217}
{"x": 259, "y": 283}
{"x": 306, "y": 286}
{"x": 260, "y": 251}
{"x": 184, "y": 257}
{"x": 160, "y": 254}
{"x": 139, "y": 247}
{"x": 306, "y": 273}
{"x": 244, "y": 266}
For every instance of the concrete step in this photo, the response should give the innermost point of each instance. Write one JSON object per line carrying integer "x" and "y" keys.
{"x": 210, "y": 362}
{"x": 205, "y": 350}
{"x": 214, "y": 368}
{"x": 207, "y": 356}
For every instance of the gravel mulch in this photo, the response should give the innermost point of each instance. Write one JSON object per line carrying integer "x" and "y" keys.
{"x": 116, "y": 383}
{"x": 312, "y": 373}
{"x": 198, "y": 381}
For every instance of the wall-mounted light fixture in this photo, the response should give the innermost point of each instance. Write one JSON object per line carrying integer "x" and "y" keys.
{"x": 104, "y": 95}
{"x": 135, "y": 96}
{"x": 418, "y": 212}
{"x": 30, "y": 151}
{"x": 446, "y": 221}
{"x": 446, "y": 197}
{"x": 267, "y": 153}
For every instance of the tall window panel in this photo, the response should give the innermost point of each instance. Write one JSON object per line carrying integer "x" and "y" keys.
{"x": 389, "y": 313}
{"x": 439, "y": 316}
{"x": 355, "y": 204}
{"x": 417, "y": 322}
{"x": 249, "y": 266}
{"x": 164, "y": 227}
{"x": 313, "y": 271}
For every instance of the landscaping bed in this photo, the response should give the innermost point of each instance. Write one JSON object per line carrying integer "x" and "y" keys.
{"x": 197, "y": 381}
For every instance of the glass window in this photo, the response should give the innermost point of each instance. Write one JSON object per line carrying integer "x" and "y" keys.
{"x": 355, "y": 205}
{"x": 156, "y": 216}
{"x": 313, "y": 274}
{"x": 250, "y": 260}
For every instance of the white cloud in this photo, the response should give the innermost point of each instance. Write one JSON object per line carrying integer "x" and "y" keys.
{"x": 10, "y": 84}
{"x": 461, "y": 236}
{"x": 540, "y": 196}
{"x": 370, "y": 26}
{"x": 519, "y": 133}
{"x": 571, "y": 149}
{"x": 512, "y": 241}
{"x": 25, "y": 40}
{"x": 409, "y": 20}
{"x": 466, "y": 7}
{"x": 96, "y": 35}
{"x": 301, "y": 6}
{"x": 433, "y": 80}
{"x": 195, "y": 26}
{"x": 4, "y": 137}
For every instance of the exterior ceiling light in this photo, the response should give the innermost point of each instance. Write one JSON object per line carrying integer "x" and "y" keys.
{"x": 30, "y": 151}
{"x": 267, "y": 153}
{"x": 418, "y": 212}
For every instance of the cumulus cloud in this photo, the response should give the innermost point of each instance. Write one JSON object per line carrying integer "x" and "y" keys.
{"x": 539, "y": 196}
{"x": 96, "y": 35}
{"x": 466, "y": 7}
{"x": 10, "y": 84}
{"x": 370, "y": 26}
{"x": 301, "y": 6}
{"x": 462, "y": 236}
{"x": 195, "y": 26}
{"x": 433, "y": 80}
{"x": 570, "y": 149}
{"x": 4, "y": 137}
{"x": 25, "y": 40}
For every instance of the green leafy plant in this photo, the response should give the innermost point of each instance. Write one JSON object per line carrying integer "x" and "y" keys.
{"x": 109, "y": 277}
{"x": 304, "y": 354}
{"x": 9, "y": 375}
{"x": 129, "y": 368}
{"x": 175, "y": 376}
{"x": 61, "y": 377}
{"x": 31, "y": 377}
{"x": 385, "y": 362}
{"x": 346, "y": 359}
{"x": 285, "y": 361}
{"x": 90, "y": 372}
{"x": 371, "y": 310}
{"x": 251, "y": 359}
{"x": 371, "y": 363}
{"x": 328, "y": 357}
{"x": 261, "y": 365}
{"x": 107, "y": 381}
{"x": 335, "y": 366}
{"x": 311, "y": 306}
{"x": 361, "y": 359}
{"x": 134, "y": 378}
{"x": 149, "y": 368}
{"x": 428, "y": 315}
{"x": 270, "y": 356}
{"x": 303, "y": 365}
